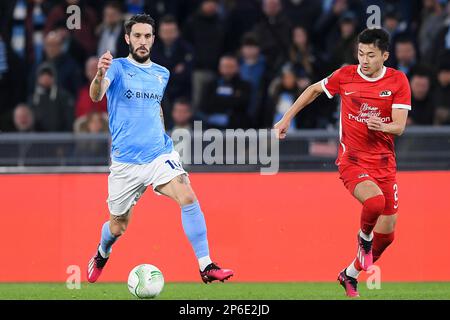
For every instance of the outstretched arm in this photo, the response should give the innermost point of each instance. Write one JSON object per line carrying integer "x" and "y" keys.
{"x": 99, "y": 85}
{"x": 308, "y": 96}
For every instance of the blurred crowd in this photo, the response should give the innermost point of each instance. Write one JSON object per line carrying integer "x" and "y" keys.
{"x": 233, "y": 63}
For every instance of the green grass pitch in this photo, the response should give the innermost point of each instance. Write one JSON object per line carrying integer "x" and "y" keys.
{"x": 226, "y": 291}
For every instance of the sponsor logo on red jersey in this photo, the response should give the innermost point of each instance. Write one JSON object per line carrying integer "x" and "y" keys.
{"x": 385, "y": 93}
{"x": 365, "y": 112}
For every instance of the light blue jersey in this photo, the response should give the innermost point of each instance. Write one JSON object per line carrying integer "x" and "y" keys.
{"x": 134, "y": 98}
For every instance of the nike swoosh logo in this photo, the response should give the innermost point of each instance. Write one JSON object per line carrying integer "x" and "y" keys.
{"x": 349, "y": 93}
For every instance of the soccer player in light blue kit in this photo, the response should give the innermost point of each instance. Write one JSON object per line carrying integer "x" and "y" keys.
{"x": 142, "y": 153}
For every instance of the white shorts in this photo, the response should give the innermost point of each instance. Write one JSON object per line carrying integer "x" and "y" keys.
{"x": 127, "y": 182}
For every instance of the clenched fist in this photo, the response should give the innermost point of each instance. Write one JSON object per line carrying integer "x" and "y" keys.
{"x": 104, "y": 63}
{"x": 281, "y": 128}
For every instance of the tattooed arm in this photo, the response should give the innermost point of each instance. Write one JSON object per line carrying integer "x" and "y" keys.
{"x": 99, "y": 85}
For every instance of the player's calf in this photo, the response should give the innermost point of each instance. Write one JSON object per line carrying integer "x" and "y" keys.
{"x": 380, "y": 242}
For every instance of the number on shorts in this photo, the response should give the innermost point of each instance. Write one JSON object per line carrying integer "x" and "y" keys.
{"x": 395, "y": 192}
{"x": 173, "y": 164}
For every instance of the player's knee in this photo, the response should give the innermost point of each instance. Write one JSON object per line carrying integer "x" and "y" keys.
{"x": 375, "y": 204}
{"x": 119, "y": 232}
{"x": 187, "y": 198}
{"x": 118, "y": 228}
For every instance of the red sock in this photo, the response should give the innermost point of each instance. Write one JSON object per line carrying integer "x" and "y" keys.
{"x": 357, "y": 265}
{"x": 380, "y": 242}
{"x": 372, "y": 209}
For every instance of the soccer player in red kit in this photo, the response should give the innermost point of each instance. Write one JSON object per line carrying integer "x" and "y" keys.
{"x": 374, "y": 107}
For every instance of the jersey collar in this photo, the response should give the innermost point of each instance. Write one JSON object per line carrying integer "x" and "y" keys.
{"x": 140, "y": 65}
{"x": 383, "y": 72}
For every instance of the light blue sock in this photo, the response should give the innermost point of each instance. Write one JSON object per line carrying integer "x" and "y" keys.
{"x": 195, "y": 228}
{"x": 107, "y": 240}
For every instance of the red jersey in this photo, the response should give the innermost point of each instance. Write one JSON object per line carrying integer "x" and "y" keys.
{"x": 361, "y": 98}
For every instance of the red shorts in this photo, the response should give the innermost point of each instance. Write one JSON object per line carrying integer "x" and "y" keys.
{"x": 384, "y": 178}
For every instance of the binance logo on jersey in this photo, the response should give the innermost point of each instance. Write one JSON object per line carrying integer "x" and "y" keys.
{"x": 143, "y": 95}
{"x": 385, "y": 93}
{"x": 129, "y": 94}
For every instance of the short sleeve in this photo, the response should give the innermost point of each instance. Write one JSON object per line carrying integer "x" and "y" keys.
{"x": 402, "y": 98}
{"x": 331, "y": 83}
{"x": 111, "y": 73}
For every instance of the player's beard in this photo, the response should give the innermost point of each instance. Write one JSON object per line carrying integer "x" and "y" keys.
{"x": 140, "y": 59}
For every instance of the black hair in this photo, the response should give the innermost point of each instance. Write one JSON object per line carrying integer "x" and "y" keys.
{"x": 170, "y": 19}
{"x": 249, "y": 39}
{"x": 404, "y": 38}
{"x": 444, "y": 61}
{"x": 228, "y": 55}
{"x": 115, "y": 4}
{"x": 139, "y": 18}
{"x": 182, "y": 100}
{"x": 422, "y": 70}
{"x": 378, "y": 37}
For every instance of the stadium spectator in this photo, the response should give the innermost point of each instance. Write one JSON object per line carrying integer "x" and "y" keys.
{"x": 22, "y": 24}
{"x": 433, "y": 17}
{"x": 343, "y": 51}
{"x": 68, "y": 74}
{"x": 12, "y": 84}
{"x": 326, "y": 28}
{"x": 111, "y": 31}
{"x": 23, "y": 118}
{"x": 182, "y": 114}
{"x": 70, "y": 45}
{"x": 253, "y": 68}
{"x": 92, "y": 152}
{"x": 405, "y": 55}
{"x": 51, "y": 105}
{"x": 206, "y": 32}
{"x": 422, "y": 99}
{"x": 226, "y": 100}
{"x": 442, "y": 93}
{"x": 283, "y": 91}
{"x": 174, "y": 53}
{"x": 92, "y": 122}
{"x": 83, "y": 36}
{"x": 392, "y": 23}
{"x": 241, "y": 18}
{"x": 180, "y": 9}
{"x": 286, "y": 88}
{"x": 273, "y": 33}
{"x": 133, "y": 7}
{"x": 84, "y": 103}
{"x": 302, "y": 54}
{"x": 303, "y": 11}
{"x": 442, "y": 42}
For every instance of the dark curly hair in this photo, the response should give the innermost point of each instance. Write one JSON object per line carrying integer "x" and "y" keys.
{"x": 139, "y": 18}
